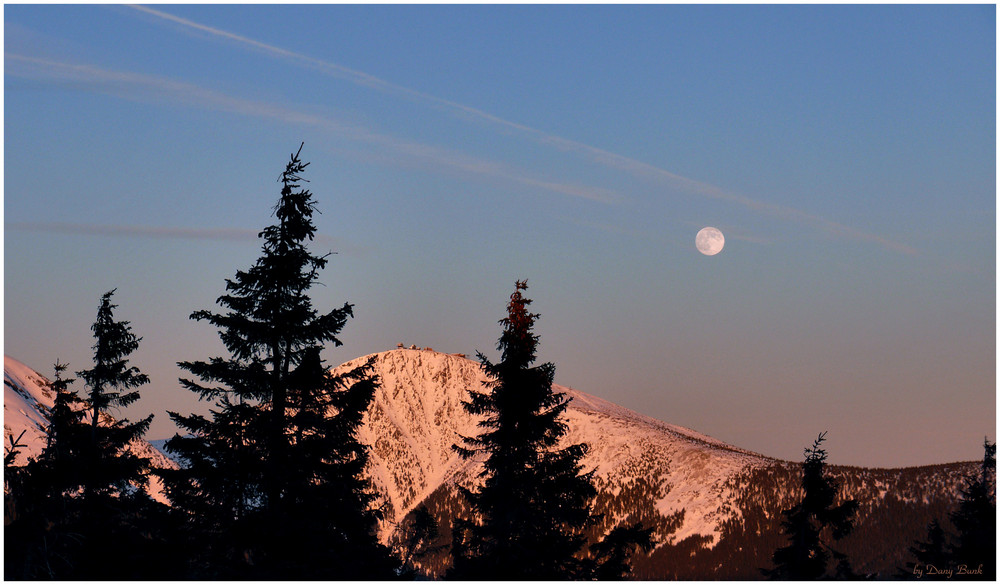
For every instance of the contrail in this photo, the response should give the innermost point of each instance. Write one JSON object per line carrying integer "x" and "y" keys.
{"x": 146, "y": 231}
{"x": 124, "y": 84}
{"x": 594, "y": 154}
{"x": 225, "y": 234}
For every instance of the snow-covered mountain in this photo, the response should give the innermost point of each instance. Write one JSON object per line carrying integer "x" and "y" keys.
{"x": 715, "y": 508}
{"x": 26, "y": 400}
{"x": 708, "y": 501}
{"x": 417, "y": 416}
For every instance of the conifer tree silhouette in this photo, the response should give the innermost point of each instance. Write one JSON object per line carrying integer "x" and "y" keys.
{"x": 416, "y": 539}
{"x": 64, "y": 436}
{"x": 272, "y": 484}
{"x": 972, "y": 550}
{"x": 113, "y": 504}
{"x": 20, "y": 519}
{"x": 975, "y": 544}
{"x": 529, "y": 516}
{"x": 112, "y": 383}
{"x": 612, "y": 555}
{"x": 42, "y": 536}
{"x": 810, "y": 523}
{"x": 83, "y": 495}
{"x": 933, "y": 551}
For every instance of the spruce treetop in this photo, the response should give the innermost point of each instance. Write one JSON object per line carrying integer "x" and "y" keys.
{"x": 532, "y": 510}
{"x": 274, "y": 480}
{"x": 270, "y": 318}
{"x": 112, "y": 381}
{"x": 806, "y": 524}
{"x": 517, "y": 343}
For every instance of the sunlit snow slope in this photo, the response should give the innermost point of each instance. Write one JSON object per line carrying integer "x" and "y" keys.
{"x": 715, "y": 509}
{"x": 417, "y": 417}
{"x": 26, "y": 399}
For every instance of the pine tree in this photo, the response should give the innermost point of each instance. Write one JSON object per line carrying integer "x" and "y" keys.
{"x": 112, "y": 470}
{"x": 975, "y": 544}
{"x": 45, "y": 530}
{"x": 933, "y": 551}
{"x": 530, "y": 514}
{"x": 111, "y": 510}
{"x": 613, "y": 554}
{"x": 810, "y": 523}
{"x": 417, "y": 539}
{"x": 63, "y": 517}
{"x": 272, "y": 484}
{"x": 67, "y": 432}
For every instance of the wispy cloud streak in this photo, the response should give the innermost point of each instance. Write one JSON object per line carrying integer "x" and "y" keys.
{"x": 84, "y": 229}
{"x": 593, "y": 154}
{"x": 156, "y": 232}
{"x": 139, "y": 86}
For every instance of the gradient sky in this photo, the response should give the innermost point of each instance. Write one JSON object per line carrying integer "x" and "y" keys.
{"x": 848, "y": 153}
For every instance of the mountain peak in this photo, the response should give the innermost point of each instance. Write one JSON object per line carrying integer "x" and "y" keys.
{"x": 720, "y": 505}
{"x": 417, "y": 415}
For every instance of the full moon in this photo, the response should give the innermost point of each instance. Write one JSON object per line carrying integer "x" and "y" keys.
{"x": 709, "y": 241}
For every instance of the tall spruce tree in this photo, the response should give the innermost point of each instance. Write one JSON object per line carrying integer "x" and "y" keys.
{"x": 975, "y": 544}
{"x": 44, "y": 535}
{"x": 972, "y": 549}
{"x": 65, "y": 436}
{"x": 82, "y": 496}
{"x": 60, "y": 470}
{"x": 272, "y": 484}
{"x": 111, "y": 384}
{"x": 812, "y": 522}
{"x": 113, "y": 506}
{"x": 528, "y": 519}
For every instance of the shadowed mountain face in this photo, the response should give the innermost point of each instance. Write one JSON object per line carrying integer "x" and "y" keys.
{"x": 716, "y": 509}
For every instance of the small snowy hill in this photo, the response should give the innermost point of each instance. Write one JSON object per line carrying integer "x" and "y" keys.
{"x": 26, "y": 400}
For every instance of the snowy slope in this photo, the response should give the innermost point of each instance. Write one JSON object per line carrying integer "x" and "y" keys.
{"x": 417, "y": 416}
{"x": 719, "y": 504}
{"x": 26, "y": 398}
{"x": 25, "y": 395}
{"x": 715, "y": 508}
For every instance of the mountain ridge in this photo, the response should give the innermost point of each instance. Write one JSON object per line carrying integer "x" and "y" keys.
{"x": 419, "y": 405}
{"x": 715, "y": 508}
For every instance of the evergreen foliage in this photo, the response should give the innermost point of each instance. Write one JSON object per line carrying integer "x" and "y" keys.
{"x": 110, "y": 469}
{"x": 82, "y": 496}
{"x": 970, "y": 552}
{"x": 530, "y": 516}
{"x": 932, "y": 551}
{"x": 67, "y": 430}
{"x": 810, "y": 523}
{"x": 613, "y": 553}
{"x": 417, "y": 538}
{"x": 44, "y": 537}
{"x": 272, "y": 479}
{"x": 975, "y": 544}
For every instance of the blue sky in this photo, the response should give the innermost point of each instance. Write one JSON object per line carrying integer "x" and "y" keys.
{"x": 848, "y": 153}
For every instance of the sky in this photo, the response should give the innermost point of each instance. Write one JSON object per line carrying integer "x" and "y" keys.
{"x": 848, "y": 154}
